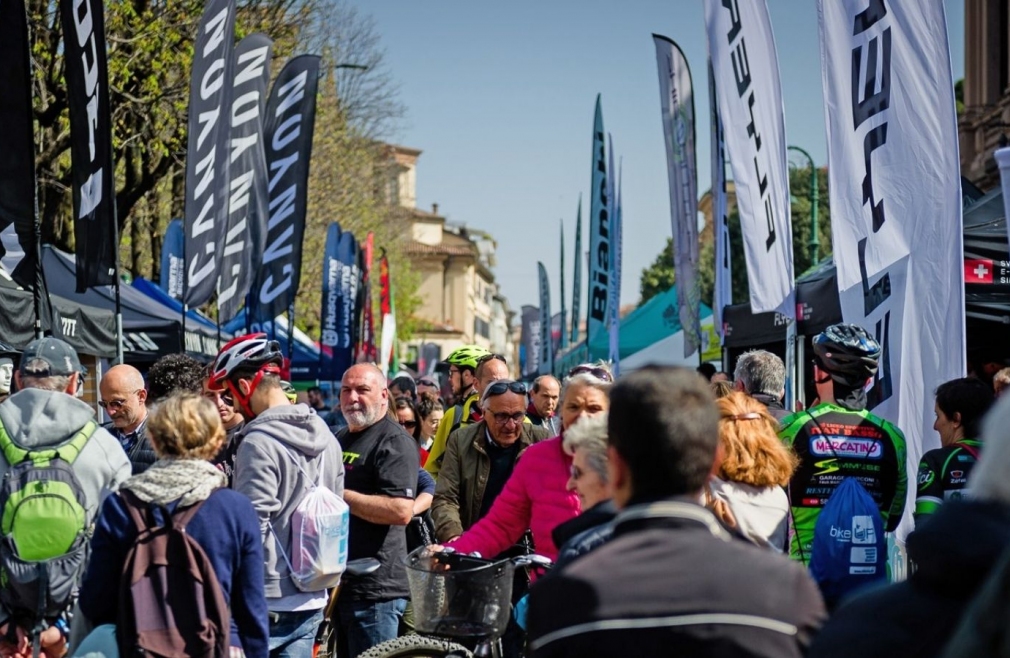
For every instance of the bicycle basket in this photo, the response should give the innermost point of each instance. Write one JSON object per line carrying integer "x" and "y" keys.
{"x": 470, "y": 600}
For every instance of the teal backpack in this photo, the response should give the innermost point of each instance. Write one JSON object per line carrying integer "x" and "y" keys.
{"x": 44, "y": 532}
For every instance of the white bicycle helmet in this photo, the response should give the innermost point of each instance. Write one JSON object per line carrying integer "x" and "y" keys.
{"x": 247, "y": 356}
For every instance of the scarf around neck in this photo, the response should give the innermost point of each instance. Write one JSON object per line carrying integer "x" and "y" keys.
{"x": 187, "y": 480}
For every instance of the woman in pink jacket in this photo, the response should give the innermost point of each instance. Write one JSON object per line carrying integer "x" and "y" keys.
{"x": 536, "y": 495}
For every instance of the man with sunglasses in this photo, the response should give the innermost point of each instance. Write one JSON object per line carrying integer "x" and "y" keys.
{"x": 285, "y": 449}
{"x": 470, "y": 367}
{"x": 480, "y": 457}
{"x": 124, "y": 398}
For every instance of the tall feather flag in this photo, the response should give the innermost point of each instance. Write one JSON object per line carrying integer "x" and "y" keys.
{"x": 17, "y": 148}
{"x": 339, "y": 295}
{"x": 388, "y": 358}
{"x": 564, "y": 323}
{"x": 93, "y": 173}
{"x": 206, "y": 207}
{"x": 722, "y": 296}
{"x": 290, "y": 122}
{"x": 546, "y": 342}
{"x": 613, "y": 291}
{"x": 248, "y": 199}
{"x": 577, "y": 277}
{"x": 615, "y": 278}
{"x": 676, "y": 95}
{"x": 599, "y": 240}
{"x": 366, "y": 349}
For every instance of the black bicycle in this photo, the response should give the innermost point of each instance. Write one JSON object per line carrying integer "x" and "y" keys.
{"x": 457, "y": 598}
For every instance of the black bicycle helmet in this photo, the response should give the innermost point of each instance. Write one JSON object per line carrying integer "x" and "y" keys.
{"x": 847, "y": 352}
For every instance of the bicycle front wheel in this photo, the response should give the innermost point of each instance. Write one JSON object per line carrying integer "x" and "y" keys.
{"x": 417, "y": 645}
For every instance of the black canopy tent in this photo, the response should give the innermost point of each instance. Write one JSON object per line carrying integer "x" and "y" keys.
{"x": 987, "y": 305}
{"x": 88, "y": 329}
{"x": 150, "y": 329}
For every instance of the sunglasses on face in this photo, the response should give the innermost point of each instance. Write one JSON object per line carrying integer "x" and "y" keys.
{"x": 503, "y": 417}
{"x": 116, "y": 404}
{"x": 595, "y": 371}
{"x": 492, "y": 357}
{"x": 498, "y": 388}
{"x": 426, "y": 382}
{"x": 409, "y": 424}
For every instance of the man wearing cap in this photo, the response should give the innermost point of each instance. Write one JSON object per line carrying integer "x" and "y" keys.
{"x": 45, "y": 414}
{"x": 124, "y": 398}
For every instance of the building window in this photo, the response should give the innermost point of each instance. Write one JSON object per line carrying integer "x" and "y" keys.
{"x": 481, "y": 328}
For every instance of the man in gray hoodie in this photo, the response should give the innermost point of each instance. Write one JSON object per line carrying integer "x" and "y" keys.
{"x": 285, "y": 449}
{"x": 44, "y": 414}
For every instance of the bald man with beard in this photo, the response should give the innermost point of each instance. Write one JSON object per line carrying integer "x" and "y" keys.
{"x": 124, "y": 398}
{"x": 382, "y": 463}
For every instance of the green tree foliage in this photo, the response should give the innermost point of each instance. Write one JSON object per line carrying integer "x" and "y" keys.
{"x": 660, "y": 275}
{"x": 150, "y": 52}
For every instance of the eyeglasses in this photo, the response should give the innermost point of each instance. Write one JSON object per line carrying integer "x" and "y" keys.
{"x": 595, "y": 371}
{"x": 410, "y": 424}
{"x": 500, "y": 387}
{"x": 503, "y": 417}
{"x": 116, "y": 404}
{"x": 575, "y": 472}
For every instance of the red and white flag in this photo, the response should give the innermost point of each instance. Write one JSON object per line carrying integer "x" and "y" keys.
{"x": 977, "y": 270}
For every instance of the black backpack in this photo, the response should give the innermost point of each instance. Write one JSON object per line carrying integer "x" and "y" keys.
{"x": 170, "y": 601}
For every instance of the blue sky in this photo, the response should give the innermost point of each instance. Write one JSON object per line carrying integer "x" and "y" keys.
{"x": 500, "y": 99}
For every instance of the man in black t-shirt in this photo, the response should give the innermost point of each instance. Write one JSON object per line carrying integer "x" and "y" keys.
{"x": 381, "y": 462}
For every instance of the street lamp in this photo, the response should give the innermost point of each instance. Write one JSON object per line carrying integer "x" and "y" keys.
{"x": 815, "y": 242}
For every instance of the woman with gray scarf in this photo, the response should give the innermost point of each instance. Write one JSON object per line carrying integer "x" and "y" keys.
{"x": 186, "y": 431}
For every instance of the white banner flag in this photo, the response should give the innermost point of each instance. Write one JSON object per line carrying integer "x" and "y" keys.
{"x": 896, "y": 199}
{"x": 746, "y": 67}
{"x": 722, "y": 294}
{"x": 676, "y": 97}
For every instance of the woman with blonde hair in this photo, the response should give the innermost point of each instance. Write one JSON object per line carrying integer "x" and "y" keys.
{"x": 755, "y": 467}
{"x": 186, "y": 432}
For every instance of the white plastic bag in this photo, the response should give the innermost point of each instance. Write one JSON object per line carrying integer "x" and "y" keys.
{"x": 319, "y": 529}
{"x": 319, "y": 540}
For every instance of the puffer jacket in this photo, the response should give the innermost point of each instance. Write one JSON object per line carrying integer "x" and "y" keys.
{"x": 535, "y": 497}
{"x": 463, "y": 477}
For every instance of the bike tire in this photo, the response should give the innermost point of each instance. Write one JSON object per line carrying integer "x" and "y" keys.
{"x": 417, "y": 645}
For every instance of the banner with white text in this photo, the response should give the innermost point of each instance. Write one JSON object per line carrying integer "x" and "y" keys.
{"x": 746, "y": 66}
{"x": 290, "y": 121}
{"x": 210, "y": 94}
{"x": 92, "y": 172}
{"x": 896, "y": 199}
{"x": 247, "y": 201}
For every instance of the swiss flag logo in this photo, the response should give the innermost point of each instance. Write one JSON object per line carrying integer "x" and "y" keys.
{"x": 977, "y": 270}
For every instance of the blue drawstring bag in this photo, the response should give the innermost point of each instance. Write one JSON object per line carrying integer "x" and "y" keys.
{"x": 849, "y": 550}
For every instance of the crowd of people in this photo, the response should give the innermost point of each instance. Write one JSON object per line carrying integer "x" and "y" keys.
{"x": 684, "y": 511}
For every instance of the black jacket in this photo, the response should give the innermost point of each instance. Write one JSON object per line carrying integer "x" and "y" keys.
{"x": 774, "y": 405}
{"x": 141, "y": 454}
{"x": 954, "y": 551}
{"x": 672, "y": 582}
{"x": 576, "y": 537}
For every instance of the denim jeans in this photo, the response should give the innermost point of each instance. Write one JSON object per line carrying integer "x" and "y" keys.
{"x": 365, "y": 624}
{"x": 292, "y": 634}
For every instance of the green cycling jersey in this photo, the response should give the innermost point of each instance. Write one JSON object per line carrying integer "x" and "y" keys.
{"x": 833, "y": 443}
